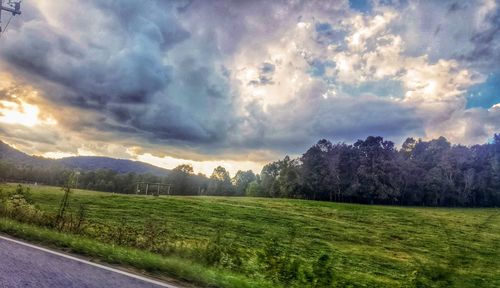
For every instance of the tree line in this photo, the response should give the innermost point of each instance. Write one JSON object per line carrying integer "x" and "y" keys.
{"x": 373, "y": 171}
{"x": 431, "y": 173}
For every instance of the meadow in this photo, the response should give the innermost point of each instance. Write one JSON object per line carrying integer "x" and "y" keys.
{"x": 259, "y": 242}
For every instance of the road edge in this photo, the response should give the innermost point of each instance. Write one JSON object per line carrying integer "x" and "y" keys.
{"x": 101, "y": 266}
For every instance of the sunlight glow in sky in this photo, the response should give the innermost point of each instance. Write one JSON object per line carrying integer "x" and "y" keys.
{"x": 21, "y": 113}
{"x": 14, "y": 113}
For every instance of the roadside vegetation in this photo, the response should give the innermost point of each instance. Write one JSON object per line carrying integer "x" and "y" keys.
{"x": 259, "y": 242}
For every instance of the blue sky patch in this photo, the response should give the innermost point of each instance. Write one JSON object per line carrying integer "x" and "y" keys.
{"x": 363, "y": 6}
{"x": 318, "y": 67}
{"x": 485, "y": 94}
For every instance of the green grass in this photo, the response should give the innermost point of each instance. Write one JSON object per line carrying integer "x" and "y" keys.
{"x": 371, "y": 246}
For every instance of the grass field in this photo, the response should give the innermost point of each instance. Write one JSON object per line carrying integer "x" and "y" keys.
{"x": 369, "y": 246}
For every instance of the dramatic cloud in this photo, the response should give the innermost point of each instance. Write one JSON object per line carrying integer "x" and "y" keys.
{"x": 244, "y": 81}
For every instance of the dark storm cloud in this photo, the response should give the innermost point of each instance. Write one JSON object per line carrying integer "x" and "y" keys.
{"x": 438, "y": 29}
{"x": 455, "y": 6}
{"x": 161, "y": 26}
{"x": 486, "y": 43}
{"x": 122, "y": 69}
{"x": 129, "y": 75}
{"x": 299, "y": 123}
{"x": 25, "y": 135}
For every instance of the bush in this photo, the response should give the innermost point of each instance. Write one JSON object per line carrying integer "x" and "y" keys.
{"x": 25, "y": 193}
{"x": 323, "y": 271}
{"x": 17, "y": 205}
{"x": 221, "y": 252}
{"x": 280, "y": 266}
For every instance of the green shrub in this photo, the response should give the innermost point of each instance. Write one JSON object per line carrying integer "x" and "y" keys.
{"x": 220, "y": 251}
{"x": 323, "y": 271}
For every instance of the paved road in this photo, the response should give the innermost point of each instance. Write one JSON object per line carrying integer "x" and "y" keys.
{"x": 25, "y": 265}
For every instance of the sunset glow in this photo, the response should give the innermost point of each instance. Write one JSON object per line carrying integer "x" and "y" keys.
{"x": 19, "y": 113}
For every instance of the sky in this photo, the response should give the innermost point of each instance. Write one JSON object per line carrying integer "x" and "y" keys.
{"x": 244, "y": 83}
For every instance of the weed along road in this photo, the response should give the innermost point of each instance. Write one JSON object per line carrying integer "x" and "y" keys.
{"x": 26, "y": 265}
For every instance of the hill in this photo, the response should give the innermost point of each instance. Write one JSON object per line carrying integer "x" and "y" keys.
{"x": 86, "y": 163}
{"x": 14, "y": 156}
{"x": 118, "y": 165}
{"x": 286, "y": 242}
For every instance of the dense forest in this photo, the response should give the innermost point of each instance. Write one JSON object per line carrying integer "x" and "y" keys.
{"x": 431, "y": 173}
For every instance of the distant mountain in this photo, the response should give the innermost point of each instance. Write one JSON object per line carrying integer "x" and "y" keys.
{"x": 117, "y": 165}
{"x": 87, "y": 163}
{"x": 9, "y": 154}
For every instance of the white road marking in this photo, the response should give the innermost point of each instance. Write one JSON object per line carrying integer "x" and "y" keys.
{"x": 145, "y": 279}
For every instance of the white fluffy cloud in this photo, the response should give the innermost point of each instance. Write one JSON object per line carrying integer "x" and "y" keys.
{"x": 369, "y": 52}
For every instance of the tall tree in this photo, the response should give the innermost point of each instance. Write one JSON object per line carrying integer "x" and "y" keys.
{"x": 378, "y": 172}
{"x": 241, "y": 181}
{"x": 316, "y": 171}
{"x": 220, "y": 182}
{"x": 269, "y": 176}
{"x": 181, "y": 179}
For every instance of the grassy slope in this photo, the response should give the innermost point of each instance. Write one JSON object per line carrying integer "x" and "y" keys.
{"x": 372, "y": 245}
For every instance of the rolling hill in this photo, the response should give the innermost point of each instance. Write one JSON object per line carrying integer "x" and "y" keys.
{"x": 86, "y": 163}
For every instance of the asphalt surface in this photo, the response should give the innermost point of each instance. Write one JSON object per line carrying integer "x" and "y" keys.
{"x": 25, "y": 265}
